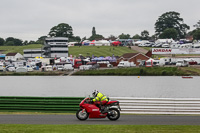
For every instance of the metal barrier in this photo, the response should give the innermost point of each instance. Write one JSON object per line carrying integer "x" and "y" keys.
{"x": 128, "y": 105}
{"x": 159, "y": 105}
{"x": 40, "y": 104}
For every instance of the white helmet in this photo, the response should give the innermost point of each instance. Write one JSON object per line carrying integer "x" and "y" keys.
{"x": 94, "y": 93}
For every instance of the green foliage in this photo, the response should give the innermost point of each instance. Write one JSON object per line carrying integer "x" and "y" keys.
{"x": 145, "y": 35}
{"x": 75, "y": 39}
{"x": 112, "y": 37}
{"x": 11, "y": 41}
{"x": 197, "y": 25}
{"x": 145, "y": 71}
{"x": 169, "y": 33}
{"x": 197, "y": 34}
{"x": 124, "y": 36}
{"x": 41, "y": 40}
{"x": 96, "y": 37}
{"x": 136, "y": 36}
{"x": 2, "y": 41}
{"x": 61, "y": 30}
{"x": 93, "y": 31}
{"x": 171, "y": 20}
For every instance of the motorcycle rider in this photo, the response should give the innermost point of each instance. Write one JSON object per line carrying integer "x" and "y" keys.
{"x": 99, "y": 99}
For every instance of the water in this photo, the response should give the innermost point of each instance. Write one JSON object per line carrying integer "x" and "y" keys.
{"x": 117, "y": 86}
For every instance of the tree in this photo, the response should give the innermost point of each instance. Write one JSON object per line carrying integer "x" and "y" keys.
{"x": 84, "y": 38}
{"x": 124, "y": 36}
{"x": 32, "y": 42}
{"x": 61, "y": 30}
{"x": 112, "y": 37}
{"x": 171, "y": 20}
{"x": 11, "y": 41}
{"x": 197, "y": 35}
{"x": 2, "y": 41}
{"x": 136, "y": 36}
{"x": 93, "y": 31}
{"x": 75, "y": 39}
{"x": 169, "y": 33}
{"x": 41, "y": 40}
{"x": 25, "y": 42}
{"x": 197, "y": 25}
{"x": 96, "y": 37}
{"x": 145, "y": 35}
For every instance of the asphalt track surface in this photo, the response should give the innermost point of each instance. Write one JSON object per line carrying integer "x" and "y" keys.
{"x": 123, "y": 120}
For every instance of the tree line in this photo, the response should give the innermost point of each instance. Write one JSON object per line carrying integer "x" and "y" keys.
{"x": 168, "y": 25}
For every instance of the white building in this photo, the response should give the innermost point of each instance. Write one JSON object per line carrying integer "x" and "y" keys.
{"x": 13, "y": 56}
{"x": 56, "y": 47}
{"x": 32, "y": 53}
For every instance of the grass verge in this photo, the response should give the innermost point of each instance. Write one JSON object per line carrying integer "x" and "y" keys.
{"x": 75, "y": 51}
{"x": 143, "y": 71}
{"x": 7, "y": 128}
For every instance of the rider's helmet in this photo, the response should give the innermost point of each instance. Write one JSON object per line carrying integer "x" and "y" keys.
{"x": 94, "y": 93}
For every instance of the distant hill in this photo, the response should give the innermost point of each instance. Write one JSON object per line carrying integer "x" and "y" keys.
{"x": 75, "y": 50}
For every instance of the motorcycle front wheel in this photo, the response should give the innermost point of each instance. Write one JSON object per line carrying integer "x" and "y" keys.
{"x": 113, "y": 114}
{"x": 82, "y": 115}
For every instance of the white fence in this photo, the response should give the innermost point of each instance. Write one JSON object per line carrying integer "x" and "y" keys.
{"x": 158, "y": 105}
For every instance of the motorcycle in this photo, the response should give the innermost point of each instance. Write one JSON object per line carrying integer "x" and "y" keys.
{"x": 89, "y": 109}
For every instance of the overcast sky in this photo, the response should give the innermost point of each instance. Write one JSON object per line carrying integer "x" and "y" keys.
{"x": 30, "y": 19}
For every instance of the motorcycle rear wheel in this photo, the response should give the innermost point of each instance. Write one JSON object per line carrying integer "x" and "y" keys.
{"x": 113, "y": 114}
{"x": 82, "y": 115}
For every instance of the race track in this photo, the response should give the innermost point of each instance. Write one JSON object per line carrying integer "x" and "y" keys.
{"x": 123, "y": 120}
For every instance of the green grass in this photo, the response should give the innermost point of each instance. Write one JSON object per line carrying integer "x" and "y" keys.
{"x": 18, "y": 49}
{"x": 75, "y": 51}
{"x": 7, "y": 128}
{"x": 99, "y": 51}
{"x": 141, "y": 71}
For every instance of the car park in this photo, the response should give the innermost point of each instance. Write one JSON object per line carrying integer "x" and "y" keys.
{"x": 68, "y": 67}
{"x": 10, "y": 68}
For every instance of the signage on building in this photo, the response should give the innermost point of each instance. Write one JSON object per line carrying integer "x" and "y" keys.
{"x": 176, "y": 51}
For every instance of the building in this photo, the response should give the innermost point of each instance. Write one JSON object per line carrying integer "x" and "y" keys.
{"x": 13, "y": 56}
{"x": 53, "y": 47}
{"x": 2, "y": 56}
{"x": 32, "y": 53}
{"x": 137, "y": 58}
{"x": 56, "y": 47}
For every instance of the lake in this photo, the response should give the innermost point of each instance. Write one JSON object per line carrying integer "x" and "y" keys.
{"x": 115, "y": 86}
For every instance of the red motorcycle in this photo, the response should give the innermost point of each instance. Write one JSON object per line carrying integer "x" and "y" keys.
{"x": 89, "y": 109}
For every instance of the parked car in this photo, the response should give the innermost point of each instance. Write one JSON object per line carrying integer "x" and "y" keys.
{"x": 60, "y": 67}
{"x": 10, "y": 68}
{"x": 193, "y": 63}
{"x": 47, "y": 68}
{"x": 85, "y": 67}
{"x": 165, "y": 45}
{"x": 94, "y": 65}
{"x": 29, "y": 69}
{"x": 2, "y": 67}
{"x": 125, "y": 64}
{"x": 68, "y": 67}
{"x": 182, "y": 63}
{"x": 21, "y": 69}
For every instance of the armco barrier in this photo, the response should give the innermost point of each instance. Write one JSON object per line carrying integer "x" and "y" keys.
{"x": 40, "y": 104}
{"x": 127, "y": 104}
{"x": 159, "y": 105}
